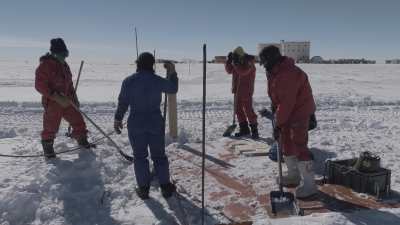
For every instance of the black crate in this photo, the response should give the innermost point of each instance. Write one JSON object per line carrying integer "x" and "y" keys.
{"x": 341, "y": 172}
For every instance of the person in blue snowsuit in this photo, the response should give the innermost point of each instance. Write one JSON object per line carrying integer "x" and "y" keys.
{"x": 142, "y": 92}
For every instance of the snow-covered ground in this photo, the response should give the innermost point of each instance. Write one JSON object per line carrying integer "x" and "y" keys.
{"x": 358, "y": 110}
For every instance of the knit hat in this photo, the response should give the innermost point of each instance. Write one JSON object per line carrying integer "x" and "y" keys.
{"x": 270, "y": 56}
{"x": 239, "y": 51}
{"x": 57, "y": 45}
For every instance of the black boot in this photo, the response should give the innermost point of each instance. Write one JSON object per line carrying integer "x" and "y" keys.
{"x": 48, "y": 149}
{"x": 243, "y": 129}
{"x": 167, "y": 190}
{"x": 83, "y": 142}
{"x": 143, "y": 192}
{"x": 254, "y": 131}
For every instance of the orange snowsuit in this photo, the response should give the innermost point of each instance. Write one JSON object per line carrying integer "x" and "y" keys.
{"x": 293, "y": 101}
{"x": 243, "y": 86}
{"x": 54, "y": 77}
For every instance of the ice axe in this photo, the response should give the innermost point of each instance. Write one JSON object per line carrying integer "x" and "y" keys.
{"x": 280, "y": 200}
{"x": 68, "y": 134}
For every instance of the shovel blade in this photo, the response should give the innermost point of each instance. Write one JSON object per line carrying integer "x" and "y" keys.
{"x": 228, "y": 132}
{"x": 283, "y": 202}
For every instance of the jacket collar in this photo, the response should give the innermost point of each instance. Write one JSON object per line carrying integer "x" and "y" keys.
{"x": 282, "y": 65}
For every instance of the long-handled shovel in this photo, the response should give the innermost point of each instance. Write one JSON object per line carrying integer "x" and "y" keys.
{"x": 123, "y": 154}
{"x": 273, "y": 151}
{"x": 231, "y": 128}
{"x": 280, "y": 200}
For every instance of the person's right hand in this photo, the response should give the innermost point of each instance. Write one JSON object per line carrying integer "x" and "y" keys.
{"x": 169, "y": 67}
{"x": 62, "y": 100}
{"x": 230, "y": 58}
{"x": 118, "y": 126}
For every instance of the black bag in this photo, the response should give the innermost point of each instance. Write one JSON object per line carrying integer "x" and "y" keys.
{"x": 313, "y": 122}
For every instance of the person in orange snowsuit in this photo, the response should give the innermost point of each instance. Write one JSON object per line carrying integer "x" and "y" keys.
{"x": 243, "y": 70}
{"x": 293, "y": 105}
{"x": 54, "y": 82}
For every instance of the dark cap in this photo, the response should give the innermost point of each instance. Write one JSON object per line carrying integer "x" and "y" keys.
{"x": 145, "y": 61}
{"x": 57, "y": 45}
{"x": 270, "y": 52}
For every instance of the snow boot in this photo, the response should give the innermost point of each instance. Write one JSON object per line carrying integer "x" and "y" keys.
{"x": 254, "y": 131}
{"x": 307, "y": 186}
{"x": 243, "y": 129}
{"x": 167, "y": 190}
{"x": 143, "y": 192}
{"x": 48, "y": 149}
{"x": 83, "y": 142}
{"x": 292, "y": 177}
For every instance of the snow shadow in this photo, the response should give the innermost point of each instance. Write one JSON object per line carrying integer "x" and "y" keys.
{"x": 320, "y": 156}
{"x": 160, "y": 213}
{"x": 210, "y": 158}
{"x": 184, "y": 210}
{"x": 355, "y": 212}
{"x": 372, "y": 217}
{"x": 81, "y": 191}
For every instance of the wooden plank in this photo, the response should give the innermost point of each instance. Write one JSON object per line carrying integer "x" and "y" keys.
{"x": 172, "y": 116}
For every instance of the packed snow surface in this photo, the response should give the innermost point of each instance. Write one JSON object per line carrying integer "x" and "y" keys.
{"x": 358, "y": 110}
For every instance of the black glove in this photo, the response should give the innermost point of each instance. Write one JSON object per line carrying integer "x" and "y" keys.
{"x": 277, "y": 133}
{"x": 266, "y": 113}
{"x": 230, "y": 58}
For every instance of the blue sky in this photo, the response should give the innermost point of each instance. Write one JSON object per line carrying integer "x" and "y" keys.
{"x": 178, "y": 28}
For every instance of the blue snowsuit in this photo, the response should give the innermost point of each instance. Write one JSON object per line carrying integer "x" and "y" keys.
{"x": 142, "y": 92}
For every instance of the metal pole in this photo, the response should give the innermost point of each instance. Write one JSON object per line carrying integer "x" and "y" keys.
{"x": 155, "y": 64}
{"x": 203, "y": 164}
{"x": 79, "y": 76}
{"x": 137, "y": 50}
{"x": 189, "y": 67}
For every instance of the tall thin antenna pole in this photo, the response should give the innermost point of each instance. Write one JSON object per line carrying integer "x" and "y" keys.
{"x": 203, "y": 164}
{"x": 137, "y": 50}
{"x": 155, "y": 63}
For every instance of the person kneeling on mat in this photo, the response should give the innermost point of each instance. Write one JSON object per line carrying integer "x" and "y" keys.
{"x": 293, "y": 104}
{"x": 146, "y": 127}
